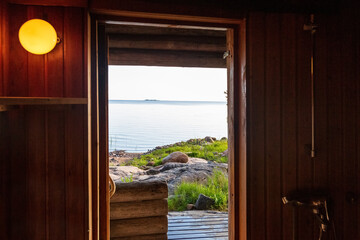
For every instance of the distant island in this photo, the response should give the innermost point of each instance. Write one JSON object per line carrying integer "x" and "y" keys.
{"x": 151, "y": 100}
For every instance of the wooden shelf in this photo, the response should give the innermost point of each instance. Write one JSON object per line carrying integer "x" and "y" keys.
{"x": 40, "y": 101}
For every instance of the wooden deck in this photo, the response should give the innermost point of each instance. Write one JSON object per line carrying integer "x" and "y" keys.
{"x": 197, "y": 225}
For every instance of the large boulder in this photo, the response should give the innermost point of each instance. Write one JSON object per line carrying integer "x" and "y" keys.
{"x": 177, "y": 157}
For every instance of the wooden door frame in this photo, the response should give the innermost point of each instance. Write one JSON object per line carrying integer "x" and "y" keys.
{"x": 236, "y": 62}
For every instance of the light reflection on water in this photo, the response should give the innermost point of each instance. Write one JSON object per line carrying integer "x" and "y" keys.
{"x": 138, "y": 126}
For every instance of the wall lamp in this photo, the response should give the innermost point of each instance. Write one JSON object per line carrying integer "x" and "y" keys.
{"x": 38, "y": 36}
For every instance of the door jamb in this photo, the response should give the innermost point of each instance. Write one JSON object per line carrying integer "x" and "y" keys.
{"x": 236, "y": 63}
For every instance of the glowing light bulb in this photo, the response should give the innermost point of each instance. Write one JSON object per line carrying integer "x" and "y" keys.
{"x": 38, "y": 36}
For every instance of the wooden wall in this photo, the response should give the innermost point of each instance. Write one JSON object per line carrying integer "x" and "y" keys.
{"x": 279, "y": 122}
{"x": 44, "y": 149}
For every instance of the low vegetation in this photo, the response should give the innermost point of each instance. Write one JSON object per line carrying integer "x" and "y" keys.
{"x": 216, "y": 188}
{"x": 197, "y": 148}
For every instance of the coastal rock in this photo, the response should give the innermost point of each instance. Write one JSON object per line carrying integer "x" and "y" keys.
{"x": 195, "y": 170}
{"x": 204, "y": 202}
{"x": 119, "y": 172}
{"x": 178, "y": 157}
{"x": 209, "y": 139}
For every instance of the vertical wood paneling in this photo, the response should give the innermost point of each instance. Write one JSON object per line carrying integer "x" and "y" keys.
{"x": 74, "y": 174}
{"x": 36, "y": 175}
{"x": 36, "y": 68}
{"x": 335, "y": 116}
{"x": 305, "y": 162}
{"x": 335, "y": 169}
{"x": 4, "y": 45}
{"x": 47, "y": 148}
{"x": 17, "y": 83}
{"x": 4, "y": 171}
{"x": 56, "y": 175}
{"x": 74, "y": 52}
{"x": 349, "y": 121}
{"x": 273, "y": 91}
{"x": 54, "y": 62}
{"x": 289, "y": 121}
{"x": 18, "y": 198}
{"x": 257, "y": 195}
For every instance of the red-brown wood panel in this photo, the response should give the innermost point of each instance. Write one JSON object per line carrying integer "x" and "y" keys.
{"x": 46, "y": 148}
{"x": 18, "y": 173}
{"x": 335, "y": 131}
{"x": 288, "y": 116}
{"x": 305, "y": 162}
{"x": 36, "y": 175}
{"x": 36, "y": 67}
{"x": 75, "y": 167}
{"x": 256, "y": 125}
{"x": 17, "y": 83}
{"x": 56, "y": 197}
{"x": 74, "y": 52}
{"x": 54, "y": 61}
{"x": 273, "y": 140}
{"x": 4, "y": 171}
{"x": 349, "y": 121}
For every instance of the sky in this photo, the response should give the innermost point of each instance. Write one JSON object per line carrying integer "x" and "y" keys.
{"x": 167, "y": 83}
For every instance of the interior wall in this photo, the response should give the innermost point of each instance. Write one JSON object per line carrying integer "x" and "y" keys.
{"x": 279, "y": 122}
{"x": 43, "y": 152}
{"x": 44, "y": 149}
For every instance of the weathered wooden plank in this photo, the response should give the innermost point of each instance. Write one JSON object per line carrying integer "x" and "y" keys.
{"x": 148, "y": 57}
{"x": 143, "y": 237}
{"x": 184, "y": 227}
{"x": 168, "y": 42}
{"x": 138, "y": 209}
{"x": 138, "y": 191}
{"x": 138, "y": 226}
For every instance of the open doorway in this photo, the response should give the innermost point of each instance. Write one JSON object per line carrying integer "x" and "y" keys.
{"x": 103, "y": 97}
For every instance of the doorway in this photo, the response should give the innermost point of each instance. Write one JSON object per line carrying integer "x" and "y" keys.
{"x": 235, "y": 34}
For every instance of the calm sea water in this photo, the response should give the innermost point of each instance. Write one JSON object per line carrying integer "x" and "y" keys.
{"x": 138, "y": 126}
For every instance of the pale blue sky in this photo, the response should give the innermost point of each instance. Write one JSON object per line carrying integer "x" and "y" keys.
{"x": 167, "y": 83}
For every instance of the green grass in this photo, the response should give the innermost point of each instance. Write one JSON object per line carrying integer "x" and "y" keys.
{"x": 216, "y": 188}
{"x": 195, "y": 148}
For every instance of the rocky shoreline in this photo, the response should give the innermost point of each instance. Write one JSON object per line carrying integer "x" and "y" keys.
{"x": 176, "y": 168}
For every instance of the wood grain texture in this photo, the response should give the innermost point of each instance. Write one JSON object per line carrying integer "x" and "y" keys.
{"x": 138, "y": 226}
{"x": 48, "y": 197}
{"x": 138, "y": 209}
{"x": 127, "y": 192}
{"x": 67, "y": 3}
{"x": 334, "y": 170}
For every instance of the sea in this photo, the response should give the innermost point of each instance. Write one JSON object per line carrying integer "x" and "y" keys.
{"x": 142, "y": 125}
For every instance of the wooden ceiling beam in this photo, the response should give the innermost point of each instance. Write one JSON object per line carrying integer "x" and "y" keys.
{"x": 161, "y": 42}
{"x": 64, "y": 3}
{"x": 146, "y": 57}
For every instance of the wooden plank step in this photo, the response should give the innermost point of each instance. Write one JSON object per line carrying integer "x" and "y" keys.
{"x": 198, "y": 235}
{"x": 175, "y": 228}
{"x": 220, "y": 231}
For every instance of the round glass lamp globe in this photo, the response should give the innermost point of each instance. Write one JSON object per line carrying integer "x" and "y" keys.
{"x": 37, "y": 36}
